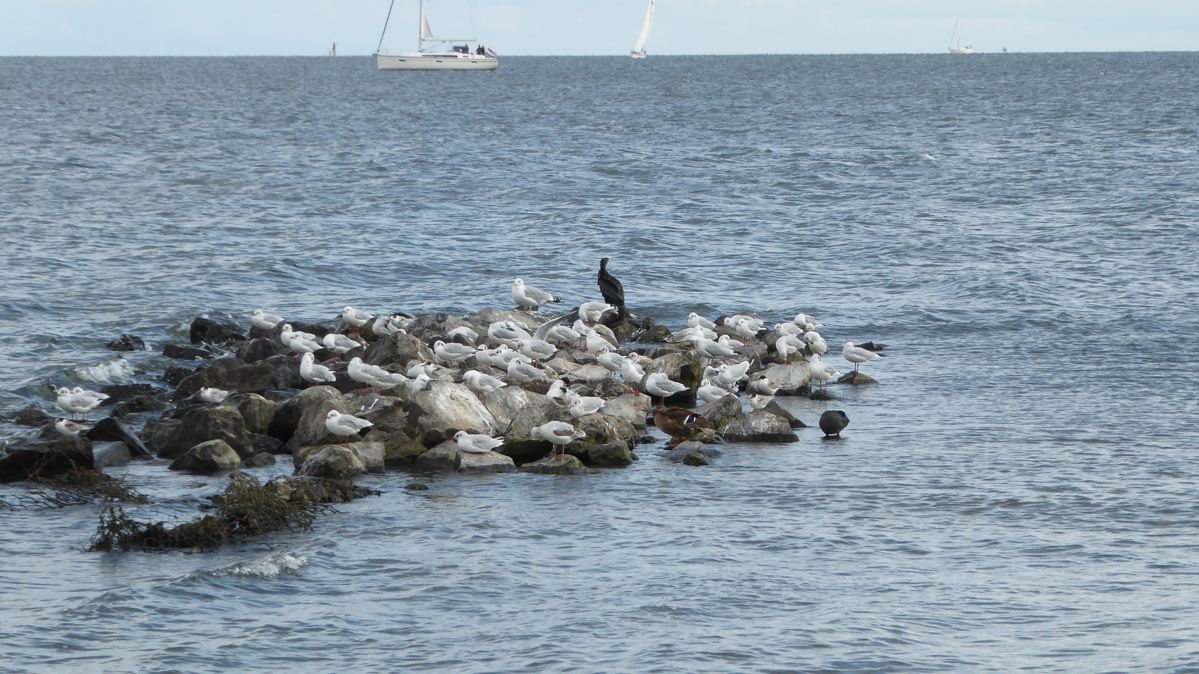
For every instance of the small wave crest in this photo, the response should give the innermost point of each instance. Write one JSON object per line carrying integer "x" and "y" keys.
{"x": 106, "y": 372}
{"x": 271, "y": 566}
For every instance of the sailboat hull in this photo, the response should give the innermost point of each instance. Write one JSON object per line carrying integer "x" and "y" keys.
{"x": 435, "y": 61}
{"x": 637, "y": 54}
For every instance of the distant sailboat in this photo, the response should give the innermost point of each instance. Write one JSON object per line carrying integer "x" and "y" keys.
{"x": 643, "y": 37}
{"x": 459, "y": 58}
{"x": 333, "y": 49}
{"x": 955, "y": 42}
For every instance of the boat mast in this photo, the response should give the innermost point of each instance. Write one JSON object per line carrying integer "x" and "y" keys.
{"x": 385, "y": 22}
{"x": 420, "y": 28}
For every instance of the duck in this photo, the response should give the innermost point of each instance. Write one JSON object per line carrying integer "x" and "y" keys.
{"x": 681, "y": 424}
{"x": 832, "y": 422}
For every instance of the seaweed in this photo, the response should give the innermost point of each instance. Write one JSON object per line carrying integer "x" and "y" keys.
{"x": 245, "y": 509}
{"x": 78, "y": 486}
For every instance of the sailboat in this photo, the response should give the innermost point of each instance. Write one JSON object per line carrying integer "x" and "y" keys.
{"x": 460, "y": 57}
{"x": 643, "y": 37}
{"x": 955, "y": 43}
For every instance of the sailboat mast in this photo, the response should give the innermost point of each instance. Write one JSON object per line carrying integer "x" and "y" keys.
{"x": 385, "y": 22}
{"x": 420, "y": 28}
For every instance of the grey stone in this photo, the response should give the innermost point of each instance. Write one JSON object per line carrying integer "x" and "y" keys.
{"x": 445, "y": 408}
{"x": 758, "y": 426}
{"x": 107, "y": 454}
{"x": 563, "y": 464}
{"x": 792, "y": 380}
{"x": 207, "y": 458}
{"x": 339, "y": 462}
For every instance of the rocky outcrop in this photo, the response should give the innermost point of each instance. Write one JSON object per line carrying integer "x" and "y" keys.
{"x": 208, "y": 331}
{"x": 111, "y": 430}
{"x": 683, "y": 367}
{"x": 370, "y": 453}
{"x": 758, "y": 426}
{"x": 563, "y": 464}
{"x": 127, "y": 343}
{"x": 309, "y": 410}
{"x": 208, "y": 458}
{"x": 230, "y": 375}
{"x": 47, "y": 457}
{"x": 856, "y": 379}
{"x": 338, "y": 462}
{"x": 722, "y": 411}
{"x": 396, "y": 351}
{"x": 792, "y": 380}
{"x": 607, "y": 455}
{"x": 203, "y": 423}
{"x": 445, "y": 408}
{"x": 256, "y": 410}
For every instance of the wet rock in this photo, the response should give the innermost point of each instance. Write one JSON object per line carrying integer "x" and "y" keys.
{"x": 445, "y": 408}
{"x": 207, "y": 458}
{"x": 443, "y": 456}
{"x": 683, "y": 367}
{"x": 158, "y": 433}
{"x": 127, "y": 343}
{"x": 138, "y": 404}
{"x": 256, "y": 410}
{"x": 109, "y": 454}
{"x": 45, "y": 458}
{"x": 721, "y": 411}
{"x": 578, "y": 373}
{"x": 310, "y": 409}
{"x": 259, "y": 460}
{"x": 339, "y": 462}
{"x": 416, "y": 486}
{"x": 208, "y": 331}
{"x": 820, "y": 394}
{"x": 266, "y": 444}
{"x": 203, "y": 423}
{"x": 758, "y": 426}
{"x": 685, "y": 449}
{"x": 486, "y": 462}
{"x": 601, "y": 429}
{"x": 369, "y": 452}
{"x": 563, "y": 464}
{"x": 399, "y": 448}
{"x": 774, "y": 408}
{"x": 793, "y": 380}
{"x": 175, "y": 374}
{"x": 696, "y": 459}
{"x": 31, "y": 415}
{"x": 607, "y": 455}
{"x": 517, "y": 441}
{"x": 524, "y": 319}
{"x": 230, "y": 375}
{"x": 631, "y": 408}
{"x": 255, "y": 350}
{"x": 856, "y": 379}
{"x": 397, "y": 351}
{"x": 504, "y": 404}
{"x": 182, "y": 352}
{"x": 432, "y": 327}
{"x": 111, "y": 430}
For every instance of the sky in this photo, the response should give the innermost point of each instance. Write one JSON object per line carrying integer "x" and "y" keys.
{"x": 587, "y": 27}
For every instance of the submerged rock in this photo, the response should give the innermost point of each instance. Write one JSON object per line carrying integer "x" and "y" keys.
{"x": 107, "y": 454}
{"x": 607, "y": 455}
{"x": 259, "y": 460}
{"x": 370, "y": 453}
{"x": 696, "y": 459}
{"x": 127, "y": 343}
{"x": 856, "y": 379}
{"x": 207, "y": 331}
{"x": 562, "y": 464}
{"x": 685, "y": 449}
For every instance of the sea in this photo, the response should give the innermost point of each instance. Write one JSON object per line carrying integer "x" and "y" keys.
{"x": 1017, "y": 493}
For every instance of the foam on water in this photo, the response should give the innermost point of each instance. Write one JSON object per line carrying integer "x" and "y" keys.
{"x": 117, "y": 370}
{"x": 271, "y": 566}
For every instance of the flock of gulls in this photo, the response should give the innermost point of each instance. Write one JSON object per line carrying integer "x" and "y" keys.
{"x": 518, "y": 356}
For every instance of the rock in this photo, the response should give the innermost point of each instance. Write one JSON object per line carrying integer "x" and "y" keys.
{"x": 683, "y": 367}
{"x": 230, "y": 375}
{"x": 486, "y": 462}
{"x": 685, "y": 449}
{"x": 256, "y": 410}
{"x": 432, "y": 327}
{"x": 127, "y": 343}
{"x": 631, "y": 408}
{"x": 774, "y": 408}
{"x": 399, "y": 449}
{"x": 721, "y": 411}
{"x": 264, "y": 443}
{"x": 820, "y": 394}
{"x": 601, "y": 429}
{"x": 203, "y": 423}
{"x": 46, "y": 458}
{"x": 110, "y": 430}
{"x": 109, "y": 454}
{"x": 793, "y": 380}
{"x": 207, "y": 331}
{"x": 696, "y": 459}
{"x": 397, "y": 351}
{"x": 585, "y": 374}
{"x": 443, "y": 456}
{"x": 310, "y": 409}
{"x": 158, "y": 433}
{"x": 370, "y": 453}
{"x": 31, "y": 415}
{"x": 175, "y": 374}
{"x": 504, "y": 404}
{"x": 183, "y": 352}
{"x": 255, "y": 350}
{"x": 486, "y": 317}
{"x": 607, "y": 455}
{"x": 136, "y": 404}
{"x": 416, "y": 486}
{"x": 338, "y": 462}
{"x": 445, "y": 408}
{"x": 208, "y": 458}
{"x": 517, "y": 441}
{"x": 563, "y": 464}
{"x": 259, "y": 460}
{"x": 856, "y": 379}
{"x": 758, "y": 426}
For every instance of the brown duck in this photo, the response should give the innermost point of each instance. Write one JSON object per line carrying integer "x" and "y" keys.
{"x": 680, "y": 424}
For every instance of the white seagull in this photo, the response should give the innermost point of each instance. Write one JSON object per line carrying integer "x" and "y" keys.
{"x": 822, "y": 372}
{"x": 466, "y": 334}
{"x": 263, "y": 321}
{"x": 480, "y": 383}
{"x": 528, "y": 297}
{"x": 338, "y": 343}
{"x": 760, "y": 383}
{"x": 476, "y": 443}
{"x": 452, "y": 352}
{"x": 593, "y": 312}
{"x": 709, "y": 393}
{"x": 581, "y": 406}
{"x": 857, "y": 355}
{"x": 521, "y": 371}
{"x": 344, "y": 425}
{"x": 373, "y": 375}
{"x": 354, "y": 317}
{"x": 660, "y": 385}
{"x": 694, "y": 320}
{"x": 69, "y": 428}
{"x": 815, "y": 342}
{"x": 535, "y": 349}
{"x": 558, "y": 433}
{"x": 213, "y": 395}
{"x": 314, "y": 373}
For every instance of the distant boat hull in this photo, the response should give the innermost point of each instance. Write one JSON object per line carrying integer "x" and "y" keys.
{"x": 436, "y": 61}
{"x": 637, "y": 54}
{"x": 961, "y": 50}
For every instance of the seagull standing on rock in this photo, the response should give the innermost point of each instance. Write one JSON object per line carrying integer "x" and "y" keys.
{"x": 452, "y": 352}
{"x": 857, "y": 355}
{"x": 373, "y": 375}
{"x": 708, "y": 393}
{"x": 338, "y": 343}
{"x": 213, "y": 395}
{"x": 314, "y": 373}
{"x": 354, "y": 318}
{"x": 558, "y": 433}
{"x": 345, "y": 425}
{"x": 660, "y": 385}
{"x": 530, "y": 298}
{"x": 481, "y": 383}
{"x": 264, "y": 321}
{"x": 521, "y": 371}
{"x": 476, "y": 443}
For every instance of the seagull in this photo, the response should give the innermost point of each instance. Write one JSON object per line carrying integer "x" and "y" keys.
{"x": 345, "y": 425}
{"x": 581, "y": 406}
{"x": 660, "y": 385}
{"x": 373, "y": 375}
{"x": 759, "y": 401}
{"x": 467, "y": 335}
{"x": 535, "y": 349}
{"x": 746, "y": 328}
{"x": 857, "y": 355}
{"x": 690, "y": 333}
{"x": 77, "y": 401}
{"x": 728, "y": 375}
{"x": 418, "y": 383}
{"x": 264, "y": 321}
{"x": 528, "y": 297}
{"x": 760, "y": 383}
{"x": 611, "y": 289}
{"x": 808, "y": 323}
{"x": 558, "y": 433}
{"x": 69, "y": 428}
{"x": 355, "y": 318}
{"x": 631, "y": 373}
{"x": 695, "y": 320}
{"x": 521, "y": 371}
{"x": 815, "y": 342}
{"x": 788, "y": 328}
{"x": 557, "y": 392}
{"x": 394, "y": 324}
{"x": 480, "y": 383}
{"x": 711, "y": 349}
{"x": 593, "y": 312}
{"x": 832, "y": 422}
{"x": 476, "y": 443}
{"x": 821, "y": 371}
{"x": 338, "y": 343}
{"x": 301, "y": 344}
{"x": 498, "y": 357}
{"x": 213, "y": 395}
{"x": 611, "y": 361}
{"x": 562, "y": 336}
{"x": 787, "y": 345}
{"x": 452, "y": 352}
{"x": 730, "y": 342}
{"x": 313, "y": 373}
{"x": 596, "y": 344}
{"x": 286, "y": 334}
{"x": 709, "y": 393}
{"x": 506, "y": 332}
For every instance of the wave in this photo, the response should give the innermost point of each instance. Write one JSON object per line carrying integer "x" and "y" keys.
{"x": 271, "y": 566}
{"x": 106, "y": 372}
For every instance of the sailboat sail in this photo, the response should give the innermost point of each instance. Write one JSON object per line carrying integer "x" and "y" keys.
{"x": 426, "y": 33}
{"x": 643, "y": 36}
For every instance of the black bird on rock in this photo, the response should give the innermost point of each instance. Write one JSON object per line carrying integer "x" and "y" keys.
{"x": 611, "y": 289}
{"x": 833, "y": 422}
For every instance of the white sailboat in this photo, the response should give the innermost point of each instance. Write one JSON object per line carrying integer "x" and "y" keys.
{"x": 955, "y": 43}
{"x": 643, "y": 37}
{"x": 459, "y": 57}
